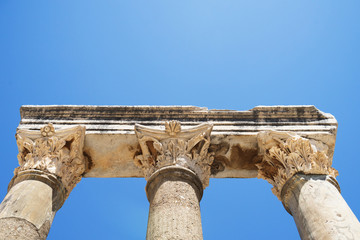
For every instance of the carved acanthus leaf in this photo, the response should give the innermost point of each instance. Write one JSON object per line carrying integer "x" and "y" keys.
{"x": 286, "y": 154}
{"x": 175, "y": 147}
{"x": 59, "y": 153}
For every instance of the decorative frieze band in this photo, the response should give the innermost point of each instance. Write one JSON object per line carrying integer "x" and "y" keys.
{"x": 175, "y": 146}
{"x": 56, "y": 152}
{"x": 285, "y": 154}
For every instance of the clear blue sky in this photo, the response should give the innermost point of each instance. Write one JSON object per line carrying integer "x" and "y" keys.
{"x": 217, "y": 54}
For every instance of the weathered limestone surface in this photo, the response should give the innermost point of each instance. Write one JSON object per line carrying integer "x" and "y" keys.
{"x": 174, "y": 195}
{"x": 303, "y": 179}
{"x": 175, "y": 146}
{"x": 285, "y": 154}
{"x": 289, "y": 146}
{"x": 15, "y": 229}
{"x": 111, "y": 143}
{"x": 59, "y": 153}
{"x": 51, "y": 164}
{"x": 318, "y": 208}
{"x": 176, "y": 164}
{"x": 27, "y": 211}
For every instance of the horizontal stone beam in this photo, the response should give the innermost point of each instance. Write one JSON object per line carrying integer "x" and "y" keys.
{"x": 111, "y": 144}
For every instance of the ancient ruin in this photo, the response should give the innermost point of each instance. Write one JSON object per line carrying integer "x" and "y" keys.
{"x": 176, "y": 149}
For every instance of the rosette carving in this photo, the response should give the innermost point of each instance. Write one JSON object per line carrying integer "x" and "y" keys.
{"x": 59, "y": 153}
{"x": 285, "y": 154}
{"x": 175, "y": 147}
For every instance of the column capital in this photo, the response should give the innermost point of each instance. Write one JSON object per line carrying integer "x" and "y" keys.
{"x": 285, "y": 154}
{"x": 56, "y": 152}
{"x": 174, "y": 146}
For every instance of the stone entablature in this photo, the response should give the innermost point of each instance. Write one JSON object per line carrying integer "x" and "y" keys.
{"x": 111, "y": 144}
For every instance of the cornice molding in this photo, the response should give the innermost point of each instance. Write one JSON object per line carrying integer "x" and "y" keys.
{"x": 285, "y": 154}
{"x": 175, "y": 146}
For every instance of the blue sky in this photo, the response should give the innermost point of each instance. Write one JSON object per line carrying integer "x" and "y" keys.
{"x": 217, "y": 54}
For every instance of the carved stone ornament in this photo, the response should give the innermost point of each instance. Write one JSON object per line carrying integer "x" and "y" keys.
{"x": 59, "y": 153}
{"x": 285, "y": 154}
{"x": 175, "y": 147}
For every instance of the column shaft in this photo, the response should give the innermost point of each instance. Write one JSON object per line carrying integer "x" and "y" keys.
{"x": 174, "y": 195}
{"x": 303, "y": 179}
{"x": 29, "y": 207}
{"x": 176, "y": 164}
{"x": 319, "y": 210}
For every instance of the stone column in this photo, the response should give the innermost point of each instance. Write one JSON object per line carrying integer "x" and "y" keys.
{"x": 51, "y": 164}
{"x": 176, "y": 165}
{"x": 303, "y": 179}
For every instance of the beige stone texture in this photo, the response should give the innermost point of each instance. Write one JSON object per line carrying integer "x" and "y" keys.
{"x": 319, "y": 210}
{"x": 302, "y": 177}
{"x": 286, "y": 153}
{"x": 175, "y": 147}
{"x": 240, "y": 146}
{"x": 27, "y": 211}
{"x": 174, "y": 194}
{"x": 111, "y": 144}
{"x": 176, "y": 164}
{"x": 16, "y": 229}
{"x": 51, "y": 164}
{"x": 59, "y": 153}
